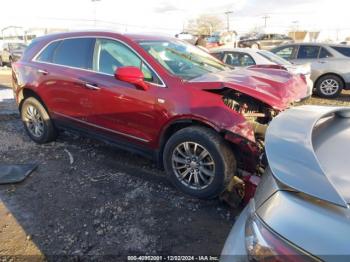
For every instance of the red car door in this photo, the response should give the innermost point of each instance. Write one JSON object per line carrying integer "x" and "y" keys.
{"x": 63, "y": 68}
{"x": 120, "y": 107}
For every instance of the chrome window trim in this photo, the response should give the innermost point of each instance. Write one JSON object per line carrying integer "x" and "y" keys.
{"x": 34, "y": 59}
{"x": 101, "y": 127}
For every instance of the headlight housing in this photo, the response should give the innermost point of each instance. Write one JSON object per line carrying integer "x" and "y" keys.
{"x": 264, "y": 245}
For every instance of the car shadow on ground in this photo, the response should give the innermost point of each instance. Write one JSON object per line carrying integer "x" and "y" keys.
{"x": 91, "y": 199}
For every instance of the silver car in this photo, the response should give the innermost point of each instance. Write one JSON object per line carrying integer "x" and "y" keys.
{"x": 300, "y": 211}
{"x": 242, "y": 57}
{"x": 330, "y": 65}
{"x": 11, "y": 52}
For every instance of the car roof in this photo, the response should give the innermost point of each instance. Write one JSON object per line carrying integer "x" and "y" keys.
{"x": 106, "y": 33}
{"x": 312, "y": 43}
{"x": 234, "y": 49}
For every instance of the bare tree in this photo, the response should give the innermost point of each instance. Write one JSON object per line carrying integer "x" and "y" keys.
{"x": 205, "y": 25}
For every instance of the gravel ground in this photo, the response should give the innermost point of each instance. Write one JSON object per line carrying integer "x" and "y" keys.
{"x": 108, "y": 201}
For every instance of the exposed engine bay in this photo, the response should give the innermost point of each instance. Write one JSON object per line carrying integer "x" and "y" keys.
{"x": 251, "y": 109}
{"x": 256, "y": 112}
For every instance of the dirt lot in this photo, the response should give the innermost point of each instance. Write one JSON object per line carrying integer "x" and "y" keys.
{"x": 108, "y": 202}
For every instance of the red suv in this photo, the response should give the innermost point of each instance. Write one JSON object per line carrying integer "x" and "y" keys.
{"x": 155, "y": 95}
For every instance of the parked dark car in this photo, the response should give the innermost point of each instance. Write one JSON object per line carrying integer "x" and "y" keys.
{"x": 158, "y": 96}
{"x": 300, "y": 211}
{"x": 11, "y": 52}
{"x": 264, "y": 41}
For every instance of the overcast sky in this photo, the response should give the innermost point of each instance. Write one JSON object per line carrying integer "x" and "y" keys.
{"x": 169, "y": 16}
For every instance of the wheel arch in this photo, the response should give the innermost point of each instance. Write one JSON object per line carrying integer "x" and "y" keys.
{"x": 28, "y": 92}
{"x": 332, "y": 74}
{"x": 176, "y": 125}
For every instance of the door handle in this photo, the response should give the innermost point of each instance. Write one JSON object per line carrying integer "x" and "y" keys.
{"x": 41, "y": 71}
{"x": 91, "y": 86}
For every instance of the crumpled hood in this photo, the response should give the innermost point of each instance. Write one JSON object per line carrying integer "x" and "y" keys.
{"x": 275, "y": 87}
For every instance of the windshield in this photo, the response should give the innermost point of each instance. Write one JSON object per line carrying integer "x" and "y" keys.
{"x": 17, "y": 46}
{"x": 273, "y": 58}
{"x": 182, "y": 59}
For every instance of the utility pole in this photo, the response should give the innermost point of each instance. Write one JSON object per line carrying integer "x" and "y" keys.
{"x": 228, "y": 13}
{"x": 94, "y": 2}
{"x": 295, "y": 28}
{"x": 265, "y": 17}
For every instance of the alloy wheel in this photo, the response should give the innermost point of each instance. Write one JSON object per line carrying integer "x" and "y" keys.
{"x": 329, "y": 87}
{"x": 193, "y": 165}
{"x": 34, "y": 121}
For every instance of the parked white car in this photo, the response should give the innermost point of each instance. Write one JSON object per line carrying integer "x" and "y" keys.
{"x": 243, "y": 57}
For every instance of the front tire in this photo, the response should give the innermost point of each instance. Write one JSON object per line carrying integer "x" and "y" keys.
{"x": 329, "y": 86}
{"x": 199, "y": 162}
{"x": 37, "y": 121}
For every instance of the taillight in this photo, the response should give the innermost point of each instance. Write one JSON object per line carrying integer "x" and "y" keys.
{"x": 264, "y": 245}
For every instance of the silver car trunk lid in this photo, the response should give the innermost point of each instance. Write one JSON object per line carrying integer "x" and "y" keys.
{"x": 308, "y": 150}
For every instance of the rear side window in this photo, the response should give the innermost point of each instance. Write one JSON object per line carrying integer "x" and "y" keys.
{"x": 75, "y": 52}
{"x": 47, "y": 54}
{"x": 324, "y": 53}
{"x": 217, "y": 55}
{"x": 343, "y": 50}
{"x": 308, "y": 52}
{"x": 285, "y": 52}
{"x": 238, "y": 59}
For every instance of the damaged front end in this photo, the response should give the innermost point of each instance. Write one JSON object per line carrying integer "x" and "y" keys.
{"x": 258, "y": 115}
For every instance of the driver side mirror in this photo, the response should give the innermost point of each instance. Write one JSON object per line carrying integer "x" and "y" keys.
{"x": 132, "y": 75}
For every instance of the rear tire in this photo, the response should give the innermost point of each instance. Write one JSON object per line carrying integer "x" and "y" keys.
{"x": 199, "y": 162}
{"x": 329, "y": 86}
{"x": 37, "y": 121}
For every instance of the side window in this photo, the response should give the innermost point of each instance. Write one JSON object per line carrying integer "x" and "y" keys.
{"x": 266, "y": 37}
{"x": 47, "y": 54}
{"x": 308, "y": 52}
{"x": 238, "y": 59}
{"x": 286, "y": 52}
{"x": 343, "y": 50}
{"x": 217, "y": 55}
{"x": 75, "y": 52}
{"x": 324, "y": 53}
{"x": 247, "y": 60}
{"x": 275, "y": 37}
{"x": 110, "y": 54}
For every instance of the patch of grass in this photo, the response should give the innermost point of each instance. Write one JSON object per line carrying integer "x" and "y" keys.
{"x": 342, "y": 100}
